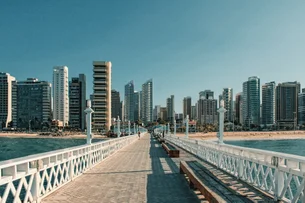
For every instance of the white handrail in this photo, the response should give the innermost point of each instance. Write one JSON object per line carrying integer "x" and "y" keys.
{"x": 41, "y": 174}
{"x": 279, "y": 174}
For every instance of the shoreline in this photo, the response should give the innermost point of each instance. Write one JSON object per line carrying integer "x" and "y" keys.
{"x": 244, "y": 136}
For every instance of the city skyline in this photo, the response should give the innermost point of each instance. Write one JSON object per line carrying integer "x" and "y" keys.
{"x": 246, "y": 38}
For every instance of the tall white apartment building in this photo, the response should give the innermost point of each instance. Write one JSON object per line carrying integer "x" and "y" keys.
{"x": 60, "y": 94}
{"x": 5, "y": 99}
{"x": 147, "y": 102}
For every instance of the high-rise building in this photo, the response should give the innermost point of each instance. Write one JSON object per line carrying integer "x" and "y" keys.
{"x": 156, "y": 113}
{"x": 301, "y": 108}
{"x": 187, "y": 106}
{"x": 6, "y": 104}
{"x": 170, "y": 108}
{"x": 129, "y": 101}
{"x": 207, "y": 108}
{"x": 147, "y": 102}
{"x": 101, "y": 95}
{"x": 268, "y": 104}
{"x": 32, "y": 107}
{"x": 238, "y": 107}
{"x": 163, "y": 113}
{"x": 60, "y": 94}
{"x": 193, "y": 113}
{"x": 77, "y": 102}
{"x": 286, "y": 104}
{"x": 251, "y": 102}
{"x": 115, "y": 104}
{"x": 137, "y": 105}
{"x": 227, "y": 96}
{"x": 207, "y": 94}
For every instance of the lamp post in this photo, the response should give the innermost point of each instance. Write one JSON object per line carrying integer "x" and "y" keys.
{"x": 88, "y": 112}
{"x": 119, "y": 126}
{"x": 221, "y": 112}
{"x": 187, "y": 126}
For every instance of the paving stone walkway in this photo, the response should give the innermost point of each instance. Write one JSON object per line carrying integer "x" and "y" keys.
{"x": 140, "y": 172}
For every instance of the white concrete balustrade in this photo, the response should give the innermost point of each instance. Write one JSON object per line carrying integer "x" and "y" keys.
{"x": 31, "y": 178}
{"x": 279, "y": 174}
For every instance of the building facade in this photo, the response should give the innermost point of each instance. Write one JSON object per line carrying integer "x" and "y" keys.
{"x": 170, "y": 106}
{"x": 163, "y": 113}
{"x": 207, "y": 108}
{"x": 251, "y": 102}
{"x": 227, "y": 96}
{"x": 268, "y": 104}
{"x": 77, "y": 102}
{"x": 129, "y": 101}
{"x": 301, "y": 108}
{"x": 115, "y": 104}
{"x": 187, "y": 106}
{"x": 286, "y": 104}
{"x": 60, "y": 94}
{"x": 156, "y": 113}
{"x": 238, "y": 107}
{"x": 193, "y": 113}
{"x": 137, "y": 105}
{"x": 32, "y": 107}
{"x": 147, "y": 102}
{"x": 6, "y": 99}
{"x": 101, "y": 95}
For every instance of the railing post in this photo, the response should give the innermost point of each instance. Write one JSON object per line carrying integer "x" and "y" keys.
{"x": 279, "y": 178}
{"x": 89, "y": 111}
{"x": 35, "y": 189}
{"x": 187, "y": 126}
{"x": 71, "y": 168}
{"x": 240, "y": 165}
{"x": 174, "y": 127}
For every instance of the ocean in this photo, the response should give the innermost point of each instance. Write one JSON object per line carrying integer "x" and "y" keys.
{"x": 11, "y": 148}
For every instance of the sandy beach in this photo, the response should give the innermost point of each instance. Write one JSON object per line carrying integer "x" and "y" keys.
{"x": 272, "y": 135}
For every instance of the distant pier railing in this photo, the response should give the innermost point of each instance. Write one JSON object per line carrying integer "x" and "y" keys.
{"x": 279, "y": 174}
{"x": 31, "y": 178}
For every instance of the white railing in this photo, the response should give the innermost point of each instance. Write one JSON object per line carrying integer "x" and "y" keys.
{"x": 281, "y": 175}
{"x": 31, "y": 178}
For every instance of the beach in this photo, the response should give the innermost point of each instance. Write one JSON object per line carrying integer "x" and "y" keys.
{"x": 261, "y": 135}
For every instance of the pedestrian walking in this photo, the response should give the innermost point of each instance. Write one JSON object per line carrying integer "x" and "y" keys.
{"x": 139, "y": 133}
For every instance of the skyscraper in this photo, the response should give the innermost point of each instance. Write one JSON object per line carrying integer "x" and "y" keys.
{"x": 251, "y": 102}
{"x": 60, "y": 94}
{"x": 301, "y": 107}
{"x": 147, "y": 101}
{"x": 156, "y": 113}
{"x": 170, "y": 108}
{"x": 286, "y": 104}
{"x": 187, "y": 106}
{"x": 238, "y": 107}
{"x": 101, "y": 95}
{"x": 137, "y": 106}
{"x": 77, "y": 102}
{"x": 207, "y": 108}
{"x": 115, "y": 104}
{"x": 194, "y": 113}
{"x": 6, "y": 111}
{"x": 129, "y": 101}
{"x": 33, "y": 103}
{"x": 268, "y": 104}
{"x": 227, "y": 96}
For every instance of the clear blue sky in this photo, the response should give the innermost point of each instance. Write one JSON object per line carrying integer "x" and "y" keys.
{"x": 185, "y": 46}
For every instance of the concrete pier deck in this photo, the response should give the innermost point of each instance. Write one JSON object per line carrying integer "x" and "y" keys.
{"x": 140, "y": 172}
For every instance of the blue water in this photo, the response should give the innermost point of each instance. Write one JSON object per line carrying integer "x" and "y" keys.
{"x": 296, "y": 147}
{"x": 18, "y": 147}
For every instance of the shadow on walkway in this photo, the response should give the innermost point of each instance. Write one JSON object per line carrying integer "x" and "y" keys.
{"x": 166, "y": 184}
